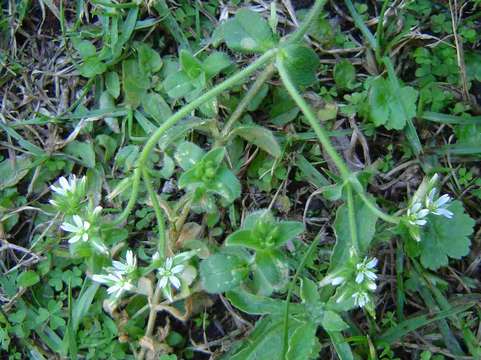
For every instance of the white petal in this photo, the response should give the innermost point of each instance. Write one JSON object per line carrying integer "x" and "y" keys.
{"x": 168, "y": 263}
{"x": 156, "y": 256}
{"x": 337, "y": 281}
{"x": 431, "y": 195}
{"x": 64, "y": 183}
{"x": 359, "y": 277}
{"x": 371, "y": 286}
{"x": 101, "y": 279}
{"x": 74, "y": 239}
{"x": 371, "y": 264}
{"x": 177, "y": 269}
{"x": 443, "y": 200}
{"x": 371, "y": 275}
{"x": 78, "y": 221}
{"x": 174, "y": 281}
{"x": 422, "y": 213}
{"x": 119, "y": 265}
{"x": 444, "y": 212}
{"x": 416, "y": 207}
{"x": 163, "y": 281}
{"x": 58, "y": 190}
{"x": 420, "y": 222}
{"x": 69, "y": 227}
{"x": 85, "y": 237}
{"x": 86, "y": 225}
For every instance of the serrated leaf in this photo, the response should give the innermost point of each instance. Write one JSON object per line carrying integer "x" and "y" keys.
{"x": 259, "y": 136}
{"x": 444, "y": 238}
{"x": 222, "y": 272}
{"x": 301, "y": 63}
{"x": 248, "y": 32}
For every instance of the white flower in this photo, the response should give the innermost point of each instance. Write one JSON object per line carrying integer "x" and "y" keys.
{"x": 365, "y": 270}
{"x": 360, "y": 298}
{"x": 128, "y": 267}
{"x": 117, "y": 283}
{"x": 169, "y": 273}
{"x": 416, "y": 215}
{"x": 79, "y": 229}
{"x": 67, "y": 186}
{"x": 438, "y": 206}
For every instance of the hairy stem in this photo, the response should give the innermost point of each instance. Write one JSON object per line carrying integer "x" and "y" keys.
{"x": 323, "y": 137}
{"x": 352, "y": 218}
{"x": 310, "y": 18}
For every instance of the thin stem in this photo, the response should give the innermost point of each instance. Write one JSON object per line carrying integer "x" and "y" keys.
{"x": 162, "y": 246}
{"x": 291, "y": 289}
{"x": 250, "y": 94}
{"x": 311, "y": 17}
{"x": 352, "y": 218}
{"x": 152, "y": 317}
{"x": 326, "y": 143}
{"x": 179, "y": 115}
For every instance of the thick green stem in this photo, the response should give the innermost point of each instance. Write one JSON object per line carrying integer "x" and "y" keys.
{"x": 162, "y": 246}
{"x": 352, "y": 218}
{"x": 179, "y": 115}
{"x": 326, "y": 143}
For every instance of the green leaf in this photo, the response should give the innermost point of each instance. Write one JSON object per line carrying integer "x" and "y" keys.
{"x": 331, "y": 321}
{"x": 112, "y": 83}
{"x": 14, "y": 171}
{"x": 344, "y": 74}
{"x": 226, "y": 184}
{"x": 178, "y": 85}
{"x": 222, "y": 272}
{"x": 156, "y": 107}
{"x": 149, "y": 59}
{"x": 248, "y": 32}
{"x": 301, "y": 63}
{"x": 190, "y": 65}
{"x": 135, "y": 82}
{"x": 243, "y": 237}
{"x": 366, "y": 227}
{"x": 84, "y": 151}
{"x": 126, "y": 157}
{"x": 303, "y": 343}
{"x": 272, "y": 268}
{"x": 390, "y": 107}
{"x": 341, "y": 346}
{"x": 443, "y": 238}
{"x": 84, "y": 47}
{"x": 288, "y": 230}
{"x": 215, "y": 63}
{"x": 259, "y": 136}
{"x": 188, "y": 154}
{"x": 91, "y": 67}
{"x": 255, "y": 304}
{"x": 28, "y": 278}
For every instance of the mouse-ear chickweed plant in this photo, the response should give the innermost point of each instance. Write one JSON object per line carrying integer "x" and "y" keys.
{"x": 205, "y": 241}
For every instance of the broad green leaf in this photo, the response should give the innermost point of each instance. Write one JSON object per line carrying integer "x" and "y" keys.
{"x": 259, "y": 136}
{"x": 215, "y": 63}
{"x": 271, "y": 267}
{"x": 190, "y": 65}
{"x": 248, "y": 32}
{"x": 14, "y": 171}
{"x": 106, "y": 102}
{"x": 188, "y": 154}
{"x": 91, "y": 67}
{"x": 344, "y": 74}
{"x": 443, "y": 238}
{"x": 155, "y": 106}
{"x": 226, "y": 184}
{"x": 243, "y": 237}
{"x": 331, "y": 321}
{"x": 301, "y": 63}
{"x": 84, "y": 151}
{"x": 84, "y": 47}
{"x": 126, "y": 157}
{"x": 178, "y": 85}
{"x": 255, "y": 304}
{"x": 222, "y": 272}
{"x": 379, "y": 98}
{"x": 341, "y": 346}
{"x": 366, "y": 227}
{"x": 303, "y": 343}
{"x": 112, "y": 83}
{"x": 149, "y": 59}
{"x": 135, "y": 82}
{"x": 28, "y": 278}
{"x": 309, "y": 292}
{"x": 288, "y": 230}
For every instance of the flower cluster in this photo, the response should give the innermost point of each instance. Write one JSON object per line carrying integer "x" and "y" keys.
{"x": 69, "y": 194}
{"x": 169, "y": 275}
{"x": 356, "y": 279}
{"x": 419, "y": 210}
{"x": 120, "y": 277}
